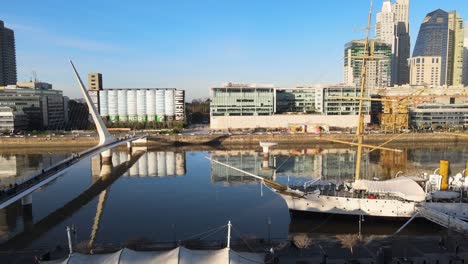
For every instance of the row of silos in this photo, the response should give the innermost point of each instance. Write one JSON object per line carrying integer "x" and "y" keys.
{"x": 141, "y": 105}
{"x": 153, "y": 164}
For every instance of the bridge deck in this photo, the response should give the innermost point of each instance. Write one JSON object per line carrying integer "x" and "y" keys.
{"x": 35, "y": 181}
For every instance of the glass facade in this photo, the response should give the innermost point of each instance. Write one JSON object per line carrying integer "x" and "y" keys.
{"x": 242, "y": 101}
{"x": 441, "y": 35}
{"x": 295, "y": 100}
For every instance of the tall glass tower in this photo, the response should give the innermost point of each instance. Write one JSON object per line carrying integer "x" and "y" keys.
{"x": 392, "y": 27}
{"x": 441, "y": 34}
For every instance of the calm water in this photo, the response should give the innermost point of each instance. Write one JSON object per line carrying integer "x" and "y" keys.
{"x": 173, "y": 194}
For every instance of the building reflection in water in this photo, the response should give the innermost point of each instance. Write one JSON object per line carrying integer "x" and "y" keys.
{"x": 335, "y": 164}
{"x": 151, "y": 164}
{"x": 17, "y": 167}
{"x": 15, "y": 218}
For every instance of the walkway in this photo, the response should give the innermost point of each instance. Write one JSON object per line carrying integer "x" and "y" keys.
{"x": 35, "y": 181}
{"x": 444, "y": 219}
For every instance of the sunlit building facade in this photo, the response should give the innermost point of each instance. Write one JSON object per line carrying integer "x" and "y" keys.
{"x": 251, "y": 106}
{"x": 441, "y": 35}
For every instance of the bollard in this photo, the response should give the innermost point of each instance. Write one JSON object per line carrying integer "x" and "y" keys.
{"x": 444, "y": 172}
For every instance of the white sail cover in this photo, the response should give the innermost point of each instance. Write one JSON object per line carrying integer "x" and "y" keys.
{"x": 178, "y": 255}
{"x": 402, "y": 187}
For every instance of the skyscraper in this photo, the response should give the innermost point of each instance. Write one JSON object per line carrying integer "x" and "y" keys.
{"x": 7, "y": 56}
{"x": 378, "y": 70}
{"x": 465, "y": 57}
{"x": 392, "y": 27}
{"x": 441, "y": 35}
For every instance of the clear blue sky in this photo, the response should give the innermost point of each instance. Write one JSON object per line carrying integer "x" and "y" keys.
{"x": 192, "y": 44}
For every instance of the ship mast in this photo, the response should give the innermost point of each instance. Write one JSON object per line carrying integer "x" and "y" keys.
{"x": 360, "y": 127}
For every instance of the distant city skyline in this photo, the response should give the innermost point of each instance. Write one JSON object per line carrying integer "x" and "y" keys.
{"x": 193, "y": 45}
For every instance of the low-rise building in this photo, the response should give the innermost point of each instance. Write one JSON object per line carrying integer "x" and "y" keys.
{"x": 439, "y": 116}
{"x": 12, "y": 121}
{"x": 411, "y": 106}
{"x": 241, "y": 106}
{"x": 43, "y": 106}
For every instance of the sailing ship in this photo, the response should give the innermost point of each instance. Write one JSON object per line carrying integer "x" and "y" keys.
{"x": 401, "y": 197}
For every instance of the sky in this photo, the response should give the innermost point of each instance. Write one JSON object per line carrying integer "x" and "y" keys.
{"x": 192, "y": 44}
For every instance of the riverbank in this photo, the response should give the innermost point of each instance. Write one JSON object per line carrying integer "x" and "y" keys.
{"x": 234, "y": 140}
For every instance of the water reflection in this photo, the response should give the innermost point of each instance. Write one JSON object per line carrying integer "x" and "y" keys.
{"x": 16, "y": 168}
{"x": 151, "y": 164}
{"x": 120, "y": 195}
{"x": 331, "y": 164}
{"x": 109, "y": 173}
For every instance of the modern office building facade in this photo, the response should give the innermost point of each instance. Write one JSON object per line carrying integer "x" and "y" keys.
{"x": 43, "y": 107}
{"x": 441, "y": 35}
{"x": 7, "y": 56}
{"x": 249, "y": 106}
{"x": 439, "y": 115}
{"x": 236, "y": 99}
{"x": 379, "y": 70}
{"x": 392, "y": 27}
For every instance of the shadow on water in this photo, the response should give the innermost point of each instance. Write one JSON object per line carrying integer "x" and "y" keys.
{"x": 107, "y": 178}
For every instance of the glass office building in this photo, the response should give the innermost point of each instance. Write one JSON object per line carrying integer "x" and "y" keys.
{"x": 441, "y": 35}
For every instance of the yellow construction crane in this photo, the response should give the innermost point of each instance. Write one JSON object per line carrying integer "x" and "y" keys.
{"x": 395, "y": 116}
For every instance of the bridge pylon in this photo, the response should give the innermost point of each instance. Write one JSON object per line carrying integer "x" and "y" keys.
{"x": 105, "y": 137}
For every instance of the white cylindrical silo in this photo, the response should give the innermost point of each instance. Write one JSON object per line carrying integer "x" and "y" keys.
{"x": 169, "y": 104}
{"x": 132, "y": 105}
{"x": 123, "y": 158}
{"x": 170, "y": 163}
{"x": 104, "y": 103}
{"x": 122, "y": 105}
{"x": 113, "y": 113}
{"x": 134, "y": 169}
{"x": 151, "y": 105}
{"x": 160, "y": 105}
{"x": 143, "y": 165}
{"x": 115, "y": 158}
{"x": 162, "y": 164}
{"x": 180, "y": 163}
{"x": 152, "y": 163}
{"x": 141, "y": 105}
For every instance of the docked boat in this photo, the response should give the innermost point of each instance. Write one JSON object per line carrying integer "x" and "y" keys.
{"x": 434, "y": 197}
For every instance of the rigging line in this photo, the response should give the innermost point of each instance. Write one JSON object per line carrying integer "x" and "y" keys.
{"x": 282, "y": 164}
{"x": 212, "y": 233}
{"x": 202, "y": 233}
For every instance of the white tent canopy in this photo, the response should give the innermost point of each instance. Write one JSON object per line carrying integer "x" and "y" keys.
{"x": 402, "y": 187}
{"x": 178, "y": 255}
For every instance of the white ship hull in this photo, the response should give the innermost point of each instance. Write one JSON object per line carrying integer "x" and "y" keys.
{"x": 368, "y": 207}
